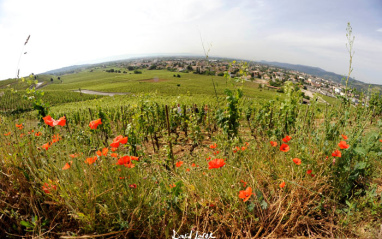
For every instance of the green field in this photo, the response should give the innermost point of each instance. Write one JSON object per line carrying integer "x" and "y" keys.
{"x": 247, "y": 163}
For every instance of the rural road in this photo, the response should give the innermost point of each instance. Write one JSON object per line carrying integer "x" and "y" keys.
{"x": 92, "y": 92}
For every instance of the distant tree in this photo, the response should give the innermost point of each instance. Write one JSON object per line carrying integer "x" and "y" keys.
{"x": 124, "y": 72}
{"x": 153, "y": 67}
{"x": 174, "y": 75}
{"x": 59, "y": 78}
{"x": 137, "y": 72}
{"x": 130, "y": 68}
{"x": 178, "y": 76}
{"x": 51, "y": 79}
{"x": 189, "y": 67}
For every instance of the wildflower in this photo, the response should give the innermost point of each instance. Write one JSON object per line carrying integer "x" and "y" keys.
{"x": 216, "y": 163}
{"x": 287, "y": 138}
{"x": 273, "y": 143}
{"x": 104, "y": 151}
{"x": 124, "y": 160}
{"x": 343, "y": 145}
{"x": 133, "y": 185}
{"x": 213, "y": 146}
{"x": 297, "y": 161}
{"x": 122, "y": 178}
{"x": 215, "y": 153}
{"x": 284, "y": 148}
{"x": 99, "y": 153}
{"x": 193, "y": 165}
{"x": 67, "y": 166}
{"x": 246, "y": 144}
{"x": 114, "y": 155}
{"x": 244, "y": 183}
{"x": 309, "y": 171}
{"x": 178, "y": 164}
{"x": 172, "y": 185}
{"x": 73, "y": 155}
{"x": 114, "y": 149}
{"x": 188, "y": 170}
{"x": 22, "y": 135}
{"x": 282, "y": 185}
{"x": 245, "y": 194}
{"x": 243, "y": 148}
{"x": 118, "y": 140}
{"x": 6, "y": 134}
{"x": 55, "y": 138}
{"x": 380, "y": 140}
{"x": 51, "y": 122}
{"x": 94, "y": 124}
{"x": 129, "y": 165}
{"x": 336, "y": 153}
{"x": 344, "y": 137}
{"x": 46, "y": 146}
{"x": 46, "y": 187}
{"x": 209, "y": 158}
{"x": 91, "y": 160}
{"x": 20, "y": 126}
{"x": 38, "y": 134}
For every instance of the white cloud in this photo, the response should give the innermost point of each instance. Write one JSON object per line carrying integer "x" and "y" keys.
{"x": 379, "y": 30}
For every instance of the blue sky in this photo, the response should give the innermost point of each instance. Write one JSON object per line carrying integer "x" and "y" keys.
{"x": 304, "y": 32}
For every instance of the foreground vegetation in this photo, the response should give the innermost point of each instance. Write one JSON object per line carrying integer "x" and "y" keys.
{"x": 140, "y": 167}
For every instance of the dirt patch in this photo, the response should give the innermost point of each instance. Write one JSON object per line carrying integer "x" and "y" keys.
{"x": 92, "y": 92}
{"x": 155, "y": 80}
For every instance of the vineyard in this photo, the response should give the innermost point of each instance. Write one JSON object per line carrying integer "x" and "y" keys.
{"x": 228, "y": 159}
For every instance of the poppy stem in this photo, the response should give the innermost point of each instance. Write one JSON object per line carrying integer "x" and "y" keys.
{"x": 171, "y": 155}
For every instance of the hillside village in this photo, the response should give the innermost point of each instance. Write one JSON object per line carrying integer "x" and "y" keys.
{"x": 267, "y": 76}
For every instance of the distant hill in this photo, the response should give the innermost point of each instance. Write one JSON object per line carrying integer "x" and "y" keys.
{"x": 323, "y": 74}
{"x": 66, "y": 70}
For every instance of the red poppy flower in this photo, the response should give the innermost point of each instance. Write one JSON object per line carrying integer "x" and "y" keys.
{"x": 284, "y": 148}
{"x": 38, "y": 134}
{"x": 213, "y": 146}
{"x": 215, "y": 153}
{"x": 122, "y": 178}
{"x": 99, "y": 153}
{"x": 343, "y": 145}
{"x": 309, "y": 171}
{"x": 94, "y": 124}
{"x": 67, "y": 166}
{"x": 216, "y": 163}
{"x": 20, "y": 126}
{"x": 55, "y": 138}
{"x": 114, "y": 149}
{"x": 246, "y": 143}
{"x": 129, "y": 165}
{"x": 282, "y": 185}
{"x": 245, "y": 194}
{"x": 243, "y": 148}
{"x": 336, "y": 153}
{"x": 22, "y": 135}
{"x": 178, "y": 164}
{"x": 114, "y": 155}
{"x": 287, "y": 138}
{"x": 297, "y": 161}
{"x": 51, "y": 122}
{"x": 344, "y": 137}
{"x": 133, "y": 185}
{"x": 6, "y": 134}
{"x": 193, "y": 165}
{"x": 46, "y": 146}
{"x": 124, "y": 160}
{"x": 47, "y": 187}
{"x": 273, "y": 143}
{"x": 380, "y": 140}
{"x": 244, "y": 183}
{"x": 188, "y": 170}
{"x": 172, "y": 185}
{"x": 91, "y": 160}
{"x": 118, "y": 140}
{"x": 209, "y": 158}
{"x": 73, "y": 155}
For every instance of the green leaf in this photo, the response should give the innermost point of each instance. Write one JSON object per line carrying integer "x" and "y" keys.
{"x": 264, "y": 205}
{"x": 26, "y": 224}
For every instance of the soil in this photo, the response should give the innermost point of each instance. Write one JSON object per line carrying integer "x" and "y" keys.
{"x": 92, "y": 92}
{"x": 155, "y": 80}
